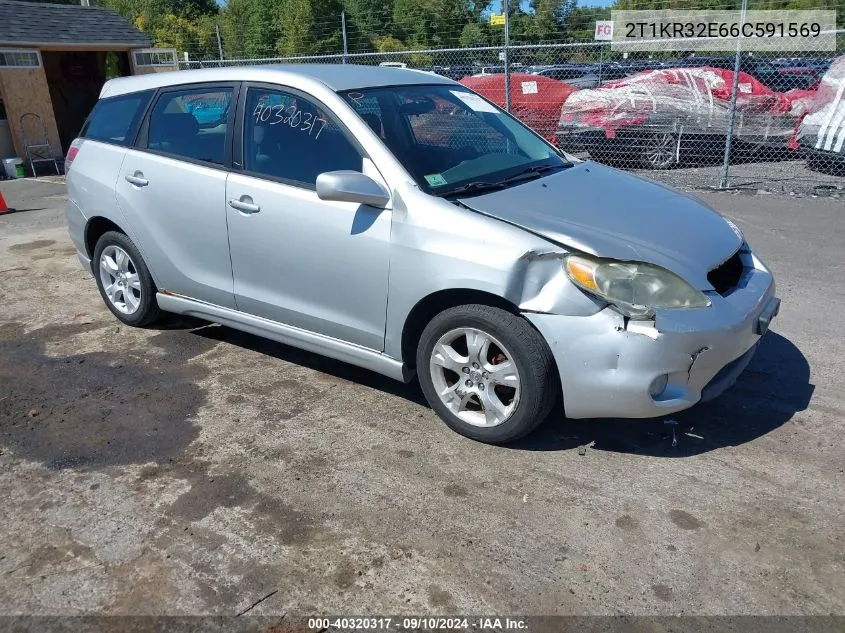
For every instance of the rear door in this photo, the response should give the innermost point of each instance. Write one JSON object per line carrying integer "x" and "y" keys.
{"x": 172, "y": 189}
{"x": 316, "y": 265}
{"x": 94, "y": 160}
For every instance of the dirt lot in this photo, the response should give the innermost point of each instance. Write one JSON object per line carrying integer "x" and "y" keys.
{"x": 192, "y": 469}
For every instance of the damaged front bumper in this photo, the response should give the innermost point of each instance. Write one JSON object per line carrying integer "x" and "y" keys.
{"x": 613, "y": 367}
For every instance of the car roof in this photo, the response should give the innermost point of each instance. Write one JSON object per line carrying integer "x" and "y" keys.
{"x": 336, "y": 77}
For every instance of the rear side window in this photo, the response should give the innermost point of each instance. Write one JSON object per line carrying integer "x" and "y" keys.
{"x": 191, "y": 124}
{"x": 115, "y": 120}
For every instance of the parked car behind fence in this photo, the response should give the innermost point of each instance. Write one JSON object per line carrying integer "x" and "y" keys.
{"x": 661, "y": 118}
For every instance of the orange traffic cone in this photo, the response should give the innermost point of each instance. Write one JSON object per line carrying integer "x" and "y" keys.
{"x": 4, "y": 208}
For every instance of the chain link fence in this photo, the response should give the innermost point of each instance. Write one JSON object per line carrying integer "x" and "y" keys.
{"x": 682, "y": 118}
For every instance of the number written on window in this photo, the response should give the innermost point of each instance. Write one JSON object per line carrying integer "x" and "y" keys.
{"x": 305, "y": 122}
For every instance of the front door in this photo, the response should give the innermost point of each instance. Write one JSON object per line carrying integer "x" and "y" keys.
{"x": 316, "y": 265}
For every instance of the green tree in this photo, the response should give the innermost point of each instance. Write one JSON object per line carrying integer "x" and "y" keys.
{"x": 430, "y": 23}
{"x": 389, "y": 44}
{"x": 474, "y": 34}
{"x": 295, "y": 21}
{"x": 309, "y": 27}
{"x": 262, "y": 28}
{"x": 149, "y": 14}
{"x": 193, "y": 8}
{"x": 549, "y": 20}
{"x": 367, "y": 20}
{"x": 196, "y": 37}
{"x": 234, "y": 26}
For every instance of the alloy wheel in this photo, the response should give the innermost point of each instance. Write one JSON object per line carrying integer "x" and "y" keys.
{"x": 475, "y": 377}
{"x": 660, "y": 150}
{"x": 120, "y": 279}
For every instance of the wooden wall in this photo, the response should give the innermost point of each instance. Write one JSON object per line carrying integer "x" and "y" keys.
{"x": 25, "y": 90}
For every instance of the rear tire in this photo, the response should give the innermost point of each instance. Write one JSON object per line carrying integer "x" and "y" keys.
{"x": 830, "y": 164}
{"x": 124, "y": 281}
{"x": 486, "y": 372}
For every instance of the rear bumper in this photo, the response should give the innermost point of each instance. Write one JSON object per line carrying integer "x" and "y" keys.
{"x": 76, "y": 223}
{"x": 609, "y": 368}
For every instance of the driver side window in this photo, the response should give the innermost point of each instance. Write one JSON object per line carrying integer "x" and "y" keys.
{"x": 290, "y": 138}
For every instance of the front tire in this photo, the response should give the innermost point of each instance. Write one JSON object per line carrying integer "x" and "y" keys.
{"x": 486, "y": 372}
{"x": 124, "y": 280}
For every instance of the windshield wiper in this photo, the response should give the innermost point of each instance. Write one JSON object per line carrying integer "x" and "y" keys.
{"x": 534, "y": 171}
{"x": 475, "y": 186}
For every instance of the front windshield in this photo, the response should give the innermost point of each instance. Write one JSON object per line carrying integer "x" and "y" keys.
{"x": 451, "y": 140}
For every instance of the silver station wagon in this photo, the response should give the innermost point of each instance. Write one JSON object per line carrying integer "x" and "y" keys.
{"x": 395, "y": 220}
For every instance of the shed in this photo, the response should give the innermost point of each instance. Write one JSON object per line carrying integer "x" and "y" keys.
{"x": 54, "y": 60}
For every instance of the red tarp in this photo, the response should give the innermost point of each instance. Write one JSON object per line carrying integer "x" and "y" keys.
{"x": 535, "y": 100}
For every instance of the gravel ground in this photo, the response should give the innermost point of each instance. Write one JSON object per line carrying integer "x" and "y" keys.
{"x": 791, "y": 177}
{"x": 192, "y": 469}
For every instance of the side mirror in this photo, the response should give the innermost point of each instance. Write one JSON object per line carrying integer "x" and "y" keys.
{"x": 351, "y": 186}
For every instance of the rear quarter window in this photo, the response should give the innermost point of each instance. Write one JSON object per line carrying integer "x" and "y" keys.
{"x": 115, "y": 120}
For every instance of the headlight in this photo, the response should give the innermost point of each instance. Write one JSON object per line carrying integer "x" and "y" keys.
{"x": 636, "y": 288}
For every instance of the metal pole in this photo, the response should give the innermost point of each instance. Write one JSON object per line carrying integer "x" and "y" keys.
{"x": 601, "y": 57}
{"x": 343, "y": 26}
{"x": 506, "y": 8}
{"x": 723, "y": 178}
{"x": 219, "y": 43}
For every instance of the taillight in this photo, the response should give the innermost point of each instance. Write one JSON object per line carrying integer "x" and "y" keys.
{"x": 71, "y": 153}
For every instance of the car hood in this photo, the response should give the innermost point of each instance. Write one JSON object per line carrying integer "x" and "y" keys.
{"x": 609, "y": 213}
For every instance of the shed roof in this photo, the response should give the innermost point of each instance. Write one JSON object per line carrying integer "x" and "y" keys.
{"x": 39, "y": 24}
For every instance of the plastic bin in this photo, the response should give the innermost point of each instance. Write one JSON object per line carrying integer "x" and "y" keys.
{"x": 13, "y": 167}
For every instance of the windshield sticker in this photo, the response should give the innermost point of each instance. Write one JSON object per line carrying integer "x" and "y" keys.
{"x": 529, "y": 87}
{"x": 473, "y": 101}
{"x": 435, "y": 180}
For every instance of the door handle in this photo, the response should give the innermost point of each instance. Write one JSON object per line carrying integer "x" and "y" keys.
{"x": 244, "y": 205}
{"x": 137, "y": 179}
